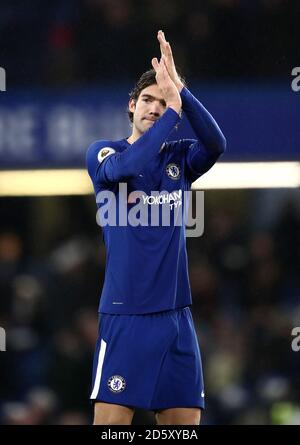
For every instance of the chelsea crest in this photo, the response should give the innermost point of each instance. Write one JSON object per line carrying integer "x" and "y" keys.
{"x": 173, "y": 171}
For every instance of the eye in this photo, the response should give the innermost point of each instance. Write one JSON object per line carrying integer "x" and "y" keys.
{"x": 147, "y": 100}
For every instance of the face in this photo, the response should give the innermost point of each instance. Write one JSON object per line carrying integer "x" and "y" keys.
{"x": 149, "y": 107}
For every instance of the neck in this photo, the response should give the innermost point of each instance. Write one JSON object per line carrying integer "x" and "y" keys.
{"x": 135, "y": 135}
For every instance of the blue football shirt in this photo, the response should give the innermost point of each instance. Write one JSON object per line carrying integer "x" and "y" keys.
{"x": 143, "y": 183}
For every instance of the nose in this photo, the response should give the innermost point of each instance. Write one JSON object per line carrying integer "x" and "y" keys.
{"x": 155, "y": 108}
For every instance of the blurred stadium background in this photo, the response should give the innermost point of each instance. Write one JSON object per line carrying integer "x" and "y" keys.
{"x": 69, "y": 67}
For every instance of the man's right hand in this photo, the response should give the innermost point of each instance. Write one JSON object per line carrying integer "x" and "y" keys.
{"x": 166, "y": 85}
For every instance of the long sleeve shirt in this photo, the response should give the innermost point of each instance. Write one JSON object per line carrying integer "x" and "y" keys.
{"x": 146, "y": 266}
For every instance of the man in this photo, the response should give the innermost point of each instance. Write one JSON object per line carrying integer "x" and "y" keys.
{"x": 147, "y": 354}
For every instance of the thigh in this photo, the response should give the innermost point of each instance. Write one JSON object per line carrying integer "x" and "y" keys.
{"x": 179, "y": 416}
{"x": 129, "y": 355}
{"x": 110, "y": 414}
{"x": 180, "y": 382}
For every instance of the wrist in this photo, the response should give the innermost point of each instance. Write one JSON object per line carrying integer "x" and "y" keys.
{"x": 176, "y": 106}
{"x": 179, "y": 86}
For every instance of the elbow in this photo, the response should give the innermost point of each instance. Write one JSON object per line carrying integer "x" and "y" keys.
{"x": 218, "y": 147}
{"x": 222, "y": 144}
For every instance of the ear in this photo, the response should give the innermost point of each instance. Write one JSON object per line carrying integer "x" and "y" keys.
{"x": 131, "y": 105}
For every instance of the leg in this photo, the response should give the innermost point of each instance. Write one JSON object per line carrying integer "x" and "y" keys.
{"x": 179, "y": 416}
{"x": 109, "y": 414}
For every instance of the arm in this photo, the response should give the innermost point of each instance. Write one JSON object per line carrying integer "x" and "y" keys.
{"x": 203, "y": 124}
{"x": 119, "y": 166}
{"x": 114, "y": 167}
{"x": 211, "y": 142}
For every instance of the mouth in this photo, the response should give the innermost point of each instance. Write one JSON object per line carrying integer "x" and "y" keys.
{"x": 150, "y": 120}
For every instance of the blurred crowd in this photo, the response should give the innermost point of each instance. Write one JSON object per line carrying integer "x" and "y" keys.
{"x": 245, "y": 283}
{"x": 81, "y": 42}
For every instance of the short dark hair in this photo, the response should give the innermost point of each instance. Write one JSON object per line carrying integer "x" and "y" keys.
{"x": 146, "y": 80}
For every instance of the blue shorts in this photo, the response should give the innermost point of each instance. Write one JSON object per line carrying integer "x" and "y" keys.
{"x": 149, "y": 361}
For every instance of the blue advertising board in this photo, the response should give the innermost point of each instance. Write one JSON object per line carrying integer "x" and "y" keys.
{"x": 51, "y": 128}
